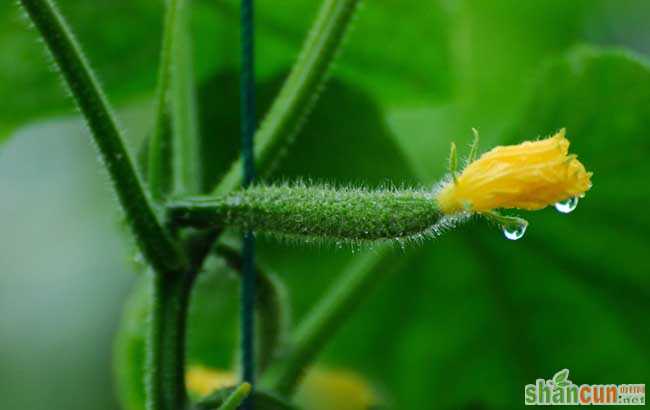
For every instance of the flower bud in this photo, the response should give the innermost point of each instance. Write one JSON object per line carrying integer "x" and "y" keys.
{"x": 530, "y": 175}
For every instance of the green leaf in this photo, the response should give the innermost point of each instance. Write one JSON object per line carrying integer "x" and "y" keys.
{"x": 126, "y": 55}
{"x": 496, "y": 49}
{"x": 610, "y": 140}
{"x": 501, "y": 44}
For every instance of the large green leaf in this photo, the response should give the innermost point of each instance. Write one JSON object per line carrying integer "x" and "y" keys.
{"x": 501, "y": 43}
{"x": 603, "y": 99}
{"x": 121, "y": 39}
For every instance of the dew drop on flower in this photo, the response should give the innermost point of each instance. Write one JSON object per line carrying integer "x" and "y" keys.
{"x": 514, "y": 231}
{"x": 567, "y": 206}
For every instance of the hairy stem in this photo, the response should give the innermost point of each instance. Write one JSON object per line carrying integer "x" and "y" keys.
{"x": 326, "y": 317}
{"x": 300, "y": 91}
{"x": 159, "y": 155}
{"x": 154, "y": 241}
{"x": 166, "y": 350}
{"x": 166, "y": 340}
{"x": 313, "y": 212}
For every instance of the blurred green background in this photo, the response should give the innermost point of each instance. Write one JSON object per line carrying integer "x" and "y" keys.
{"x": 469, "y": 318}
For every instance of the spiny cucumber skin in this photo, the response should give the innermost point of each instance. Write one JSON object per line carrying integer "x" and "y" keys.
{"x": 348, "y": 214}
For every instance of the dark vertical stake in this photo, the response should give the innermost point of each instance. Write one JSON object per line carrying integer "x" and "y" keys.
{"x": 248, "y": 124}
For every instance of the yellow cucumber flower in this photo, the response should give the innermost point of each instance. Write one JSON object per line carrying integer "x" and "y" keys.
{"x": 530, "y": 175}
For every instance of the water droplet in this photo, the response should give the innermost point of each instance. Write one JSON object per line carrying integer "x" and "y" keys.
{"x": 567, "y": 206}
{"x": 514, "y": 231}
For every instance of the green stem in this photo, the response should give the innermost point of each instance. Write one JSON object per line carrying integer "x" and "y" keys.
{"x": 316, "y": 212}
{"x": 166, "y": 341}
{"x": 160, "y": 144}
{"x": 270, "y": 306}
{"x": 237, "y": 397}
{"x": 153, "y": 239}
{"x": 262, "y": 400}
{"x": 166, "y": 348}
{"x": 300, "y": 91}
{"x": 186, "y": 163}
{"x": 159, "y": 156}
{"x": 328, "y": 315}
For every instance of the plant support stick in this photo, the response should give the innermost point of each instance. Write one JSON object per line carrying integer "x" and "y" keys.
{"x": 248, "y": 124}
{"x": 271, "y": 307}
